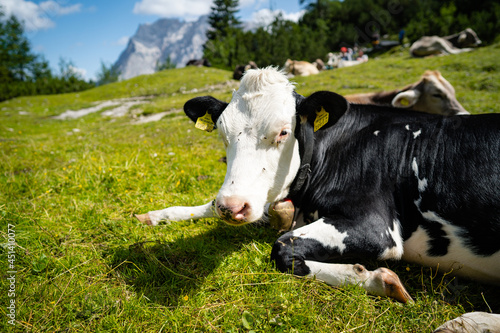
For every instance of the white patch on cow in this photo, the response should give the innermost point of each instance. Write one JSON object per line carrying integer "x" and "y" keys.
{"x": 417, "y": 133}
{"x": 432, "y": 216}
{"x": 422, "y": 183}
{"x": 376, "y": 133}
{"x": 396, "y": 251}
{"x": 407, "y": 127}
{"x": 180, "y": 213}
{"x": 324, "y": 233}
{"x": 459, "y": 258}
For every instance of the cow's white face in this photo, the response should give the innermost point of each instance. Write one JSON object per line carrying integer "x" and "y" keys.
{"x": 257, "y": 128}
{"x": 258, "y": 131}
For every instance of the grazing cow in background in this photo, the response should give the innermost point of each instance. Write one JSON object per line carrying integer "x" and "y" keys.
{"x": 453, "y": 44}
{"x": 431, "y": 94}
{"x": 241, "y": 69}
{"x": 199, "y": 62}
{"x": 372, "y": 182}
{"x": 300, "y": 68}
{"x": 336, "y": 61}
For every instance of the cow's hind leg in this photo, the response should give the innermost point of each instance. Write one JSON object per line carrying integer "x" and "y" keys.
{"x": 309, "y": 251}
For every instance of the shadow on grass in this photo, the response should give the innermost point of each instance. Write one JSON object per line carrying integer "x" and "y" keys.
{"x": 164, "y": 272}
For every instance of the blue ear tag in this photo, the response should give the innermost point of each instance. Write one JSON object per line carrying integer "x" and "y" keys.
{"x": 205, "y": 123}
{"x": 321, "y": 119}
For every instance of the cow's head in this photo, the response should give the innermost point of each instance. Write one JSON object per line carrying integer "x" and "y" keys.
{"x": 258, "y": 129}
{"x": 432, "y": 94}
{"x": 468, "y": 38}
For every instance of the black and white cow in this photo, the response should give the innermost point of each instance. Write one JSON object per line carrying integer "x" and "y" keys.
{"x": 371, "y": 182}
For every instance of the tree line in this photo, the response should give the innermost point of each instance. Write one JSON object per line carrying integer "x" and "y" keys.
{"x": 325, "y": 26}
{"x": 25, "y": 73}
{"x": 328, "y": 25}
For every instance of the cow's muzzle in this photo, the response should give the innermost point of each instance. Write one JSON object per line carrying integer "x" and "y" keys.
{"x": 233, "y": 210}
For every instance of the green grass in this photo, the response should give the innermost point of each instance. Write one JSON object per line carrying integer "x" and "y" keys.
{"x": 85, "y": 264}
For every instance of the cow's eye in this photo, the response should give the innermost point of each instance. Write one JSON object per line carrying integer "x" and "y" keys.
{"x": 283, "y": 135}
{"x": 438, "y": 96}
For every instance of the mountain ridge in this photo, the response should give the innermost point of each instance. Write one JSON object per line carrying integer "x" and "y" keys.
{"x": 154, "y": 43}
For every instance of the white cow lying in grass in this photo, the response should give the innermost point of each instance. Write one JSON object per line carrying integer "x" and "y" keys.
{"x": 302, "y": 68}
{"x": 336, "y": 61}
{"x": 464, "y": 41}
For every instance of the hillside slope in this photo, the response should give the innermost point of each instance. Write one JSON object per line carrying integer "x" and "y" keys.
{"x": 69, "y": 190}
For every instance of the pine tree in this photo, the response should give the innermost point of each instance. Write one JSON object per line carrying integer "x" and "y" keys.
{"x": 15, "y": 51}
{"x": 23, "y": 72}
{"x": 221, "y": 49}
{"x": 223, "y": 19}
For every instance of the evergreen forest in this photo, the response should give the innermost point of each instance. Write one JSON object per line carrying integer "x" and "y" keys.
{"x": 328, "y": 25}
{"x": 325, "y": 26}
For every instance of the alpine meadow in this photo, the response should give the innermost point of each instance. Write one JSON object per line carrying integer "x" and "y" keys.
{"x": 74, "y": 258}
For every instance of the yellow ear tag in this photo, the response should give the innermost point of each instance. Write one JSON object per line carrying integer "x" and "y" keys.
{"x": 205, "y": 123}
{"x": 321, "y": 119}
{"x": 404, "y": 102}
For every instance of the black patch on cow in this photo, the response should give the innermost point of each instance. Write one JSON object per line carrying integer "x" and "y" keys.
{"x": 438, "y": 241}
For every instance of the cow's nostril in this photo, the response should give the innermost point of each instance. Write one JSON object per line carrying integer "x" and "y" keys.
{"x": 242, "y": 213}
{"x": 233, "y": 209}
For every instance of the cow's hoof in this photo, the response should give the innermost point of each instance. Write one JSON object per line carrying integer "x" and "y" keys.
{"x": 281, "y": 215}
{"x": 393, "y": 286}
{"x": 144, "y": 218}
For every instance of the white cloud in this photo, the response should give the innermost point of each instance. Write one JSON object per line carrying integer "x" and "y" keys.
{"x": 78, "y": 71}
{"x": 192, "y": 9}
{"x": 123, "y": 40}
{"x": 173, "y": 8}
{"x": 295, "y": 17}
{"x": 53, "y": 7}
{"x": 36, "y": 16}
{"x": 265, "y": 17}
{"x": 248, "y": 3}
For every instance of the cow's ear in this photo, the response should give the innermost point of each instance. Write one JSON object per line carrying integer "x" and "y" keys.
{"x": 204, "y": 111}
{"x": 322, "y": 109}
{"x": 406, "y": 99}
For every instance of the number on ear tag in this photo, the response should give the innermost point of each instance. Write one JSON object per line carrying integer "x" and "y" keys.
{"x": 205, "y": 123}
{"x": 321, "y": 119}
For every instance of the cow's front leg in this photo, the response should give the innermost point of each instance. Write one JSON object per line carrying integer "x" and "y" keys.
{"x": 310, "y": 250}
{"x": 178, "y": 213}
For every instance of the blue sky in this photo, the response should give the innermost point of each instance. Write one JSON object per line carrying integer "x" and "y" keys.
{"x": 87, "y": 32}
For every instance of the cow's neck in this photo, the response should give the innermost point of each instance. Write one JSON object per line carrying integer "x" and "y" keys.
{"x": 305, "y": 136}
